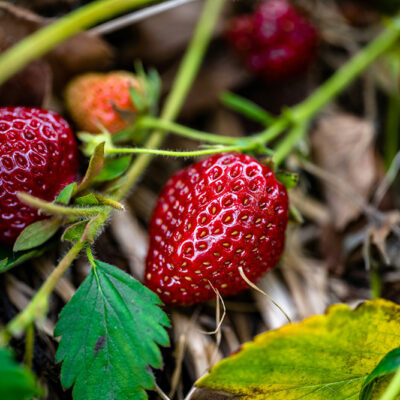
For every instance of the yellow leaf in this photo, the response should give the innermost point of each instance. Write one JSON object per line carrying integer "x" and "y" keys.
{"x": 325, "y": 357}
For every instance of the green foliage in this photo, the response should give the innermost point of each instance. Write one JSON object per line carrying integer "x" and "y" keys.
{"x": 95, "y": 166}
{"x": 113, "y": 168}
{"x": 289, "y": 179}
{"x": 387, "y": 367}
{"x": 66, "y": 194}
{"x": 9, "y": 259}
{"x": 37, "y": 233}
{"x": 325, "y": 357}
{"x": 109, "y": 334}
{"x": 16, "y": 382}
{"x": 146, "y": 99}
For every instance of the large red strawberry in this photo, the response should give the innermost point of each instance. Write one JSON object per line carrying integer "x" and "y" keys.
{"x": 225, "y": 212}
{"x": 94, "y": 99}
{"x": 39, "y": 156}
{"x": 276, "y": 41}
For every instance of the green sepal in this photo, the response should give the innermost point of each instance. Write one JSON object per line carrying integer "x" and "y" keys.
{"x": 64, "y": 197}
{"x": 74, "y": 232}
{"x": 137, "y": 99}
{"x": 37, "y": 233}
{"x": 113, "y": 168}
{"x": 95, "y": 166}
{"x": 87, "y": 200}
{"x": 288, "y": 179}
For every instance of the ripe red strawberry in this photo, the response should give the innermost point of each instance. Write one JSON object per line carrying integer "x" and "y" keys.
{"x": 276, "y": 41}
{"x": 225, "y": 212}
{"x": 91, "y": 99}
{"x": 39, "y": 156}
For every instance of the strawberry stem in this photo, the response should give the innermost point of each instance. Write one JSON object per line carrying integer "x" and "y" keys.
{"x": 172, "y": 127}
{"x": 37, "y": 308}
{"x": 173, "y": 153}
{"x": 344, "y": 76}
{"x": 56, "y": 209}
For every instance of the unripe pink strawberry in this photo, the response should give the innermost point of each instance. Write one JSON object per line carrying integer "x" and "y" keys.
{"x": 93, "y": 99}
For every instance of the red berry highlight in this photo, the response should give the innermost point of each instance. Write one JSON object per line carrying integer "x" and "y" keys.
{"x": 39, "y": 156}
{"x": 225, "y": 212}
{"x": 276, "y": 41}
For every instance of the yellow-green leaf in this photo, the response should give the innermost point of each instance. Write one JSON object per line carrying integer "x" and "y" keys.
{"x": 325, "y": 357}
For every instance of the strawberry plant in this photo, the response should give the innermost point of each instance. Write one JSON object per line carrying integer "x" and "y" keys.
{"x": 218, "y": 225}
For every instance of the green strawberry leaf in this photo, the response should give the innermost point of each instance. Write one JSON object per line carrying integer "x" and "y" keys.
{"x": 113, "y": 168}
{"x": 325, "y": 357}
{"x": 37, "y": 233}
{"x": 16, "y": 382}
{"x": 387, "y": 367}
{"x": 95, "y": 166}
{"x": 66, "y": 194}
{"x": 109, "y": 334}
{"x": 9, "y": 259}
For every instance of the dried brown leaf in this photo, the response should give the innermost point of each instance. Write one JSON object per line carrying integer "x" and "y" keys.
{"x": 343, "y": 146}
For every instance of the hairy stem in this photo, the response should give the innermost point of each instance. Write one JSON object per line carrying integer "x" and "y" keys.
{"x": 171, "y": 153}
{"x": 37, "y": 308}
{"x": 169, "y": 126}
{"x": 56, "y": 209}
{"x": 47, "y": 38}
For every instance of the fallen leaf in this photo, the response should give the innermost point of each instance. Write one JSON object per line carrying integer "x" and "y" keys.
{"x": 343, "y": 145}
{"x": 324, "y": 357}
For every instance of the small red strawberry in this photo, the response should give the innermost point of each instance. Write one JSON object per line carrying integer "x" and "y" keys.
{"x": 92, "y": 100}
{"x": 39, "y": 156}
{"x": 276, "y": 41}
{"x": 225, "y": 212}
